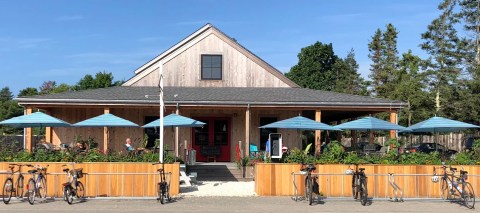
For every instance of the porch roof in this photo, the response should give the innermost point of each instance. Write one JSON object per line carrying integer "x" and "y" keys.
{"x": 210, "y": 96}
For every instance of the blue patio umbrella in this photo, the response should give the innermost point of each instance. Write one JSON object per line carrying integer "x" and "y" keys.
{"x": 369, "y": 123}
{"x": 300, "y": 123}
{"x": 105, "y": 120}
{"x": 37, "y": 119}
{"x": 440, "y": 124}
{"x": 174, "y": 120}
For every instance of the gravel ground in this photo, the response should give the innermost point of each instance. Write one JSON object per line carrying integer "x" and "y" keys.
{"x": 219, "y": 188}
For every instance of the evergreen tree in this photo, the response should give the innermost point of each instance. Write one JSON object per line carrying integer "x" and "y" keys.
{"x": 441, "y": 42}
{"x": 348, "y": 80}
{"x": 377, "y": 75}
{"x": 384, "y": 56}
{"x": 29, "y": 91}
{"x": 410, "y": 88}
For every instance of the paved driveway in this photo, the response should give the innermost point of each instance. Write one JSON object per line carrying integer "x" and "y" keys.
{"x": 233, "y": 204}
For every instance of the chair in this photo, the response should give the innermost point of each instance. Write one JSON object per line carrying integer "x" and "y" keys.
{"x": 369, "y": 148}
{"x": 253, "y": 150}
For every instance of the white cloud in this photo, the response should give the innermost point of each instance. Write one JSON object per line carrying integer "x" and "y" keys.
{"x": 69, "y": 18}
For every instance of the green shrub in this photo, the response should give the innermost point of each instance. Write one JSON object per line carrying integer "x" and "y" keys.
{"x": 333, "y": 153}
{"x": 296, "y": 155}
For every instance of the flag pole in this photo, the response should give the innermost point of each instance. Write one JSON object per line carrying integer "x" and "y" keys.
{"x": 160, "y": 149}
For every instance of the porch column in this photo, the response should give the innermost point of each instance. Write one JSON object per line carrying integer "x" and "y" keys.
{"x": 28, "y": 132}
{"x": 247, "y": 131}
{"x": 393, "y": 120}
{"x": 106, "y": 110}
{"x": 48, "y": 133}
{"x": 318, "y": 142}
{"x": 176, "y": 135}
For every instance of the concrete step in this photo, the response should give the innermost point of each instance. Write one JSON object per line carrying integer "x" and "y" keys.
{"x": 217, "y": 172}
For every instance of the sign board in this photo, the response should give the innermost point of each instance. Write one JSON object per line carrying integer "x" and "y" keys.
{"x": 275, "y": 145}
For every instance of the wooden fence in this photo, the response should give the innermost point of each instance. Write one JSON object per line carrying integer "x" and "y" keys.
{"x": 415, "y": 180}
{"x": 455, "y": 141}
{"x": 108, "y": 179}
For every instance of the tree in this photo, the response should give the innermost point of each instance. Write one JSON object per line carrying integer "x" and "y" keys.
{"x": 384, "y": 56}
{"x": 61, "y": 88}
{"x": 87, "y": 82}
{"x": 348, "y": 80}
{"x": 377, "y": 75}
{"x": 101, "y": 80}
{"x": 442, "y": 43}
{"x": 29, "y": 91}
{"x": 5, "y": 94}
{"x": 47, "y": 87}
{"x": 314, "y": 68}
{"x": 410, "y": 88}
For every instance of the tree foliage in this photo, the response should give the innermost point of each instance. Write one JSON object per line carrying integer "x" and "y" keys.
{"x": 320, "y": 68}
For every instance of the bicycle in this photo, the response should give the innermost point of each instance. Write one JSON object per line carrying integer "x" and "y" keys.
{"x": 37, "y": 184}
{"x": 73, "y": 188}
{"x": 8, "y": 188}
{"x": 359, "y": 184}
{"x": 163, "y": 188}
{"x": 309, "y": 182}
{"x": 451, "y": 185}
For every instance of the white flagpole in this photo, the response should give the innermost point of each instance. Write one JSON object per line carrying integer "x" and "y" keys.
{"x": 161, "y": 114}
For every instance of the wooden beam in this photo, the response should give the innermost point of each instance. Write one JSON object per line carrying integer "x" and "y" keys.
{"x": 28, "y": 131}
{"x": 48, "y": 132}
{"x": 393, "y": 120}
{"x": 106, "y": 110}
{"x": 318, "y": 142}
{"x": 247, "y": 131}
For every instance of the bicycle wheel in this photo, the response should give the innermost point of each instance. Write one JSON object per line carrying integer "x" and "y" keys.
{"x": 310, "y": 191}
{"x": 444, "y": 190}
{"x": 162, "y": 193}
{"x": 363, "y": 192}
{"x": 42, "y": 187}
{"x": 354, "y": 188}
{"x": 80, "y": 190}
{"x": 68, "y": 193}
{"x": 19, "y": 187}
{"x": 31, "y": 191}
{"x": 468, "y": 196}
{"x": 7, "y": 190}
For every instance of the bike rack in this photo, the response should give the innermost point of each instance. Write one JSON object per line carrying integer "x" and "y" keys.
{"x": 396, "y": 189}
{"x": 295, "y": 196}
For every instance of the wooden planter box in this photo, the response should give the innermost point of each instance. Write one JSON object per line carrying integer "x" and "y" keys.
{"x": 107, "y": 179}
{"x": 415, "y": 180}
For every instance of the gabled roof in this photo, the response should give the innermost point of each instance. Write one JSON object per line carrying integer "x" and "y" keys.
{"x": 211, "y": 96}
{"x": 144, "y": 70}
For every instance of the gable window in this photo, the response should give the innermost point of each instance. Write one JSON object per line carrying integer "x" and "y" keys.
{"x": 211, "y": 67}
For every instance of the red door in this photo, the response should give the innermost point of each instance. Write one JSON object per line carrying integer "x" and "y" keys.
{"x": 215, "y": 133}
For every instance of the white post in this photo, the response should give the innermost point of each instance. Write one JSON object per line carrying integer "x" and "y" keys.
{"x": 161, "y": 113}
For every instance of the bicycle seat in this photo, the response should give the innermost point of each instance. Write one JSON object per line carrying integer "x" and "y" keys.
{"x": 463, "y": 172}
{"x": 11, "y": 166}
{"x": 159, "y": 170}
{"x": 66, "y": 170}
{"x": 361, "y": 169}
{"x": 453, "y": 169}
{"x": 32, "y": 171}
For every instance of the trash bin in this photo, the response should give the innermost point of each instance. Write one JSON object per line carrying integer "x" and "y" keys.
{"x": 192, "y": 157}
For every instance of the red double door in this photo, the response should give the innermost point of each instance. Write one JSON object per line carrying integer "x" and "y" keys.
{"x": 215, "y": 133}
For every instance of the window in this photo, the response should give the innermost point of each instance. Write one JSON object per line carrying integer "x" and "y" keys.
{"x": 211, "y": 67}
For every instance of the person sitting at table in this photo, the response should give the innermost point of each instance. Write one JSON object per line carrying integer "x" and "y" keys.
{"x": 128, "y": 145}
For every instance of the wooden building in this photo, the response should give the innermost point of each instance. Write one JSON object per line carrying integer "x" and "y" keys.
{"x": 210, "y": 77}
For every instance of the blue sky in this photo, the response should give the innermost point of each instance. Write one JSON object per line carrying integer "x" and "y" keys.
{"x": 64, "y": 40}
